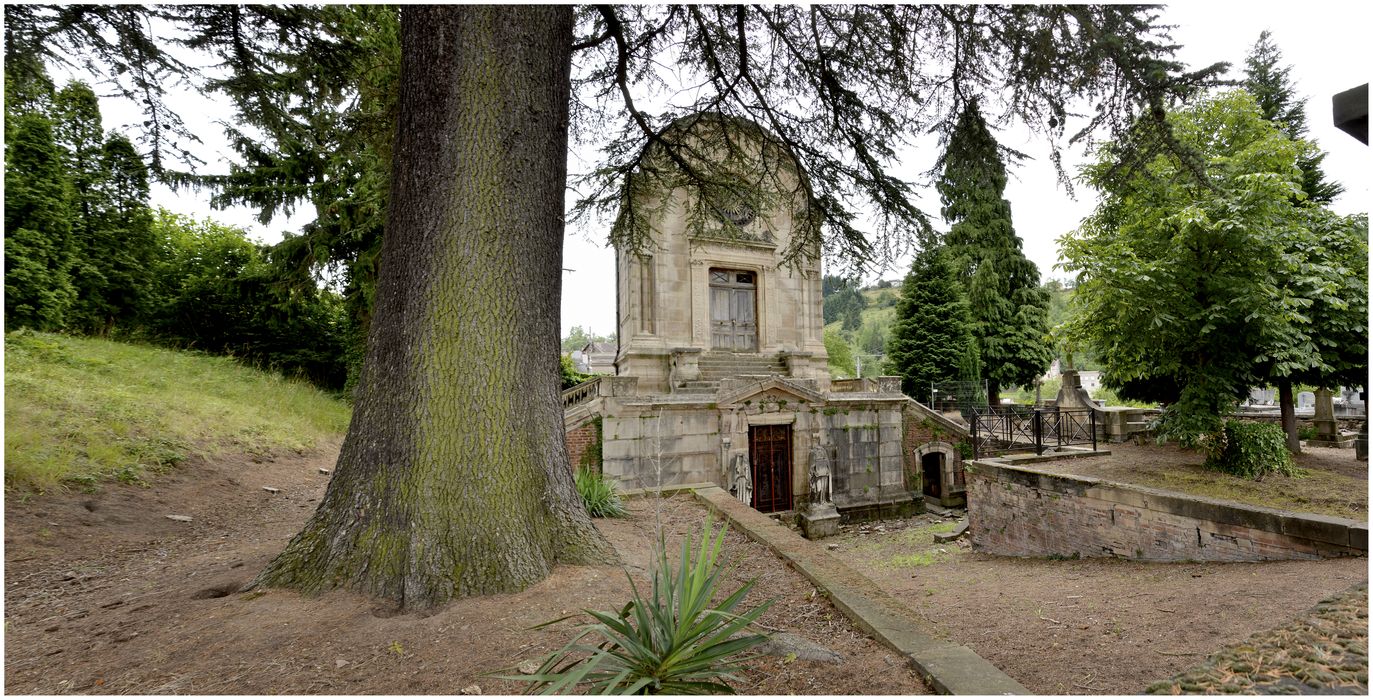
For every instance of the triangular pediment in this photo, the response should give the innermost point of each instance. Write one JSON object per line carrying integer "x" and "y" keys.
{"x": 772, "y": 389}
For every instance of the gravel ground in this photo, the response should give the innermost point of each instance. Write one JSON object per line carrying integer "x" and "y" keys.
{"x": 1323, "y": 653}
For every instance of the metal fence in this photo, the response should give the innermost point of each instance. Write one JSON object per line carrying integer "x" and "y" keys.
{"x": 958, "y": 396}
{"x": 1011, "y": 427}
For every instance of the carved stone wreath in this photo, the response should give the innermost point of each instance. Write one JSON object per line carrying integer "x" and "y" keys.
{"x": 740, "y": 214}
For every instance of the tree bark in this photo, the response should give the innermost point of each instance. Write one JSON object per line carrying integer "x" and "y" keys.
{"x": 1287, "y": 407}
{"x": 454, "y": 479}
{"x": 993, "y": 393}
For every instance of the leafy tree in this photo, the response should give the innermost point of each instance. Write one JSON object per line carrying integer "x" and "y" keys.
{"x": 1009, "y": 310}
{"x": 1333, "y": 275}
{"x": 570, "y": 376}
{"x": 215, "y": 290}
{"x": 579, "y": 337}
{"x": 1270, "y": 83}
{"x": 932, "y": 336}
{"x": 1192, "y": 291}
{"x": 840, "y": 355}
{"x": 452, "y": 480}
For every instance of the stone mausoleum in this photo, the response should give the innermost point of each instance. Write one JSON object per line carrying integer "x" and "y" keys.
{"x": 721, "y": 375}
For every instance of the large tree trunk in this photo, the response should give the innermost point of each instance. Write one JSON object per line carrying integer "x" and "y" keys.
{"x": 454, "y": 479}
{"x": 1287, "y": 408}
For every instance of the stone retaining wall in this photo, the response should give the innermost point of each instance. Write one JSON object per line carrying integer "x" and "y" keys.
{"x": 1020, "y": 511}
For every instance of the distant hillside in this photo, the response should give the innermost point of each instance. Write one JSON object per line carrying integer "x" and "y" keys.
{"x": 81, "y": 410}
{"x": 869, "y": 339}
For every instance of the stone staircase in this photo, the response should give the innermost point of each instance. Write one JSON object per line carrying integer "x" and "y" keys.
{"x": 720, "y": 365}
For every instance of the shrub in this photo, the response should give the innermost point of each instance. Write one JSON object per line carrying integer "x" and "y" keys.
{"x": 675, "y": 642}
{"x": 599, "y": 494}
{"x": 1248, "y": 450}
{"x": 1306, "y": 432}
{"x": 570, "y": 376}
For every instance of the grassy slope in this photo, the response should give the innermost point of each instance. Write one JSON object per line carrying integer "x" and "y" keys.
{"x": 78, "y": 410}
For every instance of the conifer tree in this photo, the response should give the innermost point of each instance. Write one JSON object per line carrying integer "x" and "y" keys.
{"x": 453, "y": 479}
{"x": 1270, "y": 83}
{"x": 38, "y": 245}
{"x": 931, "y": 339}
{"x": 1009, "y": 309}
{"x": 78, "y": 130}
{"x": 121, "y": 244}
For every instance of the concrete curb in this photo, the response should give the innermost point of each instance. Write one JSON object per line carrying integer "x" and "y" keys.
{"x": 950, "y": 668}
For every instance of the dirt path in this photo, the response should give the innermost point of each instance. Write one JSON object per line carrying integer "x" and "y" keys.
{"x": 1086, "y": 626}
{"x": 104, "y": 594}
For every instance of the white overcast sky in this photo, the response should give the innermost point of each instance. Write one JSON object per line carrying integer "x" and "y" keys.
{"x": 1324, "y": 42}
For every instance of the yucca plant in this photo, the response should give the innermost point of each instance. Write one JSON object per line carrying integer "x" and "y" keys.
{"x": 600, "y": 495}
{"x": 673, "y": 643}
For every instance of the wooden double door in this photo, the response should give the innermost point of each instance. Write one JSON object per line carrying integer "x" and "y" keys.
{"x": 733, "y": 310}
{"x": 769, "y": 451}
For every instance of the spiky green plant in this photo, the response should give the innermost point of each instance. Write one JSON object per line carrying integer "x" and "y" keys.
{"x": 674, "y": 642}
{"x": 601, "y": 496}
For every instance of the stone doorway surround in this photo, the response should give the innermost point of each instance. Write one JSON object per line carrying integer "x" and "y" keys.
{"x": 733, "y": 310}
{"x": 951, "y": 492}
{"x": 772, "y": 465}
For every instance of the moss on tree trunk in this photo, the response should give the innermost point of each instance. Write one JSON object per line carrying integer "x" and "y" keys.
{"x": 453, "y": 479}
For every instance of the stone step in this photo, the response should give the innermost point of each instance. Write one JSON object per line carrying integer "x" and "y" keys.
{"x": 741, "y": 364}
{"x": 735, "y": 371}
{"x": 741, "y": 361}
{"x": 699, "y": 384}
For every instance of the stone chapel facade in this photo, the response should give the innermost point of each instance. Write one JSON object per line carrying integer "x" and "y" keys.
{"x": 721, "y": 377}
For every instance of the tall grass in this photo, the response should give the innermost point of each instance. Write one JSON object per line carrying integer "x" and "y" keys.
{"x": 80, "y": 410}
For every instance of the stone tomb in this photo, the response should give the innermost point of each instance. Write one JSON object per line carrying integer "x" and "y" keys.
{"x": 721, "y": 372}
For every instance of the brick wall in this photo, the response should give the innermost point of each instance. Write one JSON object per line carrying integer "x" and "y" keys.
{"x": 1019, "y": 511}
{"x": 578, "y": 440}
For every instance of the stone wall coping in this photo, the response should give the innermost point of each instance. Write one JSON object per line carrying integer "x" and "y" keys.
{"x": 865, "y": 397}
{"x": 1067, "y": 453}
{"x": 951, "y": 668}
{"x": 1311, "y": 526}
{"x": 933, "y": 415}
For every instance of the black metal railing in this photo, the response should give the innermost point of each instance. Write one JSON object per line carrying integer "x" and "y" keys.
{"x": 1010, "y": 427}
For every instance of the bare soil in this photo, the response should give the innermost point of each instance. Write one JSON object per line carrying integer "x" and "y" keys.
{"x": 1092, "y": 626}
{"x": 1334, "y": 483}
{"x": 104, "y": 594}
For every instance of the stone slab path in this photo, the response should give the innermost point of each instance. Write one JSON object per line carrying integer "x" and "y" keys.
{"x": 950, "y": 668}
{"x": 1323, "y": 653}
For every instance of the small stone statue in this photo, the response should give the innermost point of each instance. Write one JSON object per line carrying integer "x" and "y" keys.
{"x": 819, "y": 474}
{"x": 743, "y": 485}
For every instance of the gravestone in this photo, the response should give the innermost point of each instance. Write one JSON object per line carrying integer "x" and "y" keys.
{"x": 1353, "y": 401}
{"x": 1306, "y": 400}
{"x": 1327, "y": 431}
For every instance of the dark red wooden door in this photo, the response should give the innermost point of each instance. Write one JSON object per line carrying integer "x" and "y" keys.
{"x": 769, "y": 449}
